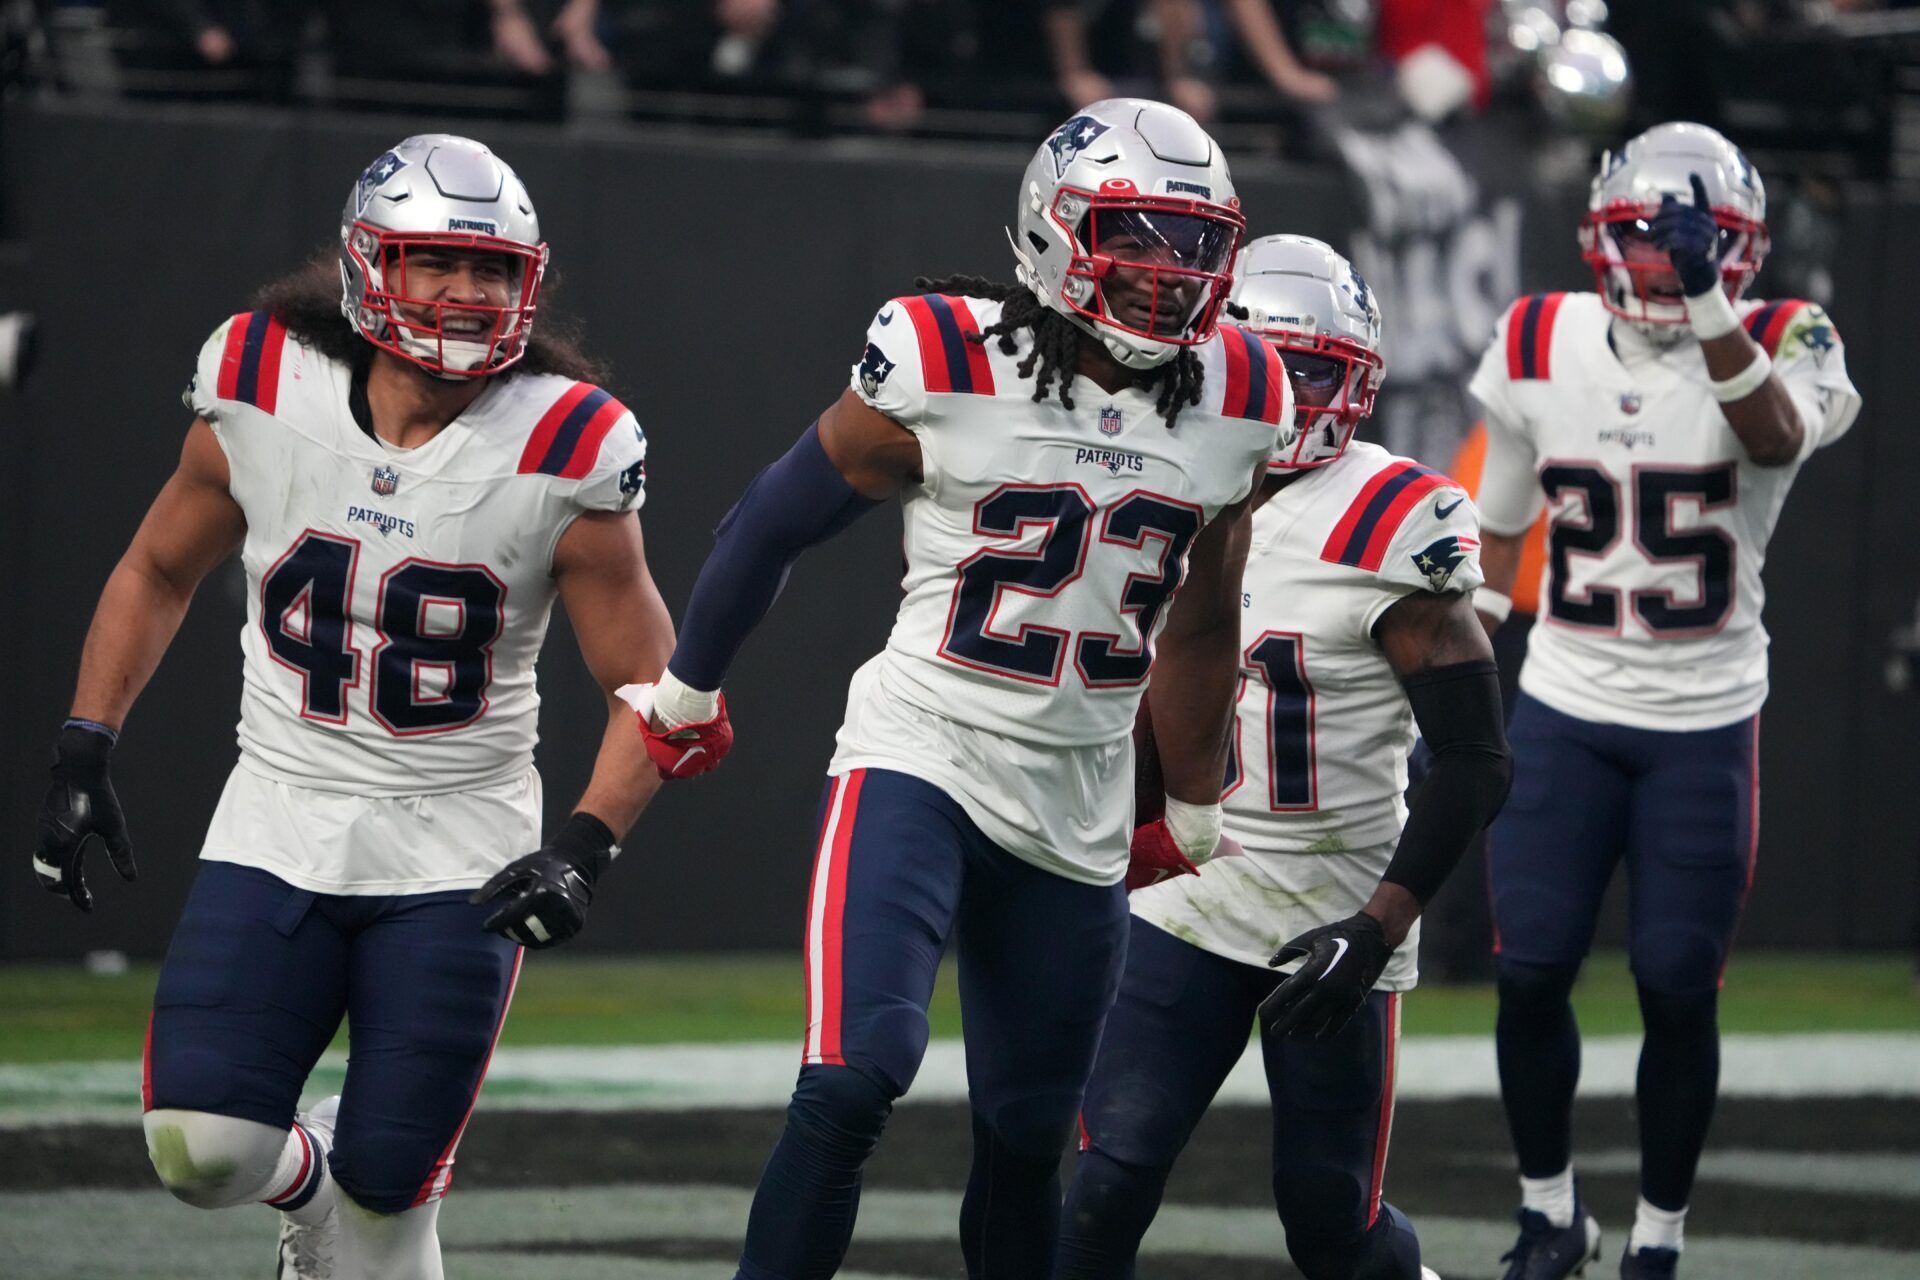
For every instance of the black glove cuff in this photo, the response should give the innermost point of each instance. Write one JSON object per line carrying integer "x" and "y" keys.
{"x": 82, "y": 750}
{"x": 586, "y": 842}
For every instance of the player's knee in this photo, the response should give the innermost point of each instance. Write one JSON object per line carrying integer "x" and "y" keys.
{"x": 1341, "y": 1246}
{"x": 211, "y": 1161}
{"x": 384, "y": 1170}
{"x": 1534, "y": 988}
{"x": 1681, "y": 964}
{"x": 1111, "y": 1199}
{"x": 840, "y": 1110}
{"x": 1033, "y": 1129}
{"x": 1324, "y": 1210}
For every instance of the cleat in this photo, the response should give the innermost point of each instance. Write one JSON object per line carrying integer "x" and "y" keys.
{"x": 1649, "y": 1264}
{"x": 306, "y": 1253}
{"x": 1547, "y": 1252}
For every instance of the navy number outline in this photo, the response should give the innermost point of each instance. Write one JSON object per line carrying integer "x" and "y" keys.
{"x": 1278, "y": 660}
{"x": 313, "y": 580}
{"x": 1036, "y": 653}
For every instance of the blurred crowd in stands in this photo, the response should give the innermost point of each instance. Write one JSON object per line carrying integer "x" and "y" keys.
{"x": 979, "y": 67}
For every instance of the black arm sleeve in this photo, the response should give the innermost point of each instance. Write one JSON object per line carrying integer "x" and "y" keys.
{"x": 1458, "y": 710}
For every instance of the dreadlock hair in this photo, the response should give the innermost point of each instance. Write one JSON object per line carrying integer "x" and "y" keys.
{"x": 307, "y": 301}
{"x": 1056, "y": 345}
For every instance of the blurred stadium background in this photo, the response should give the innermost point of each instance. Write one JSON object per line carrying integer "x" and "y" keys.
{"x": 730, "y": 187}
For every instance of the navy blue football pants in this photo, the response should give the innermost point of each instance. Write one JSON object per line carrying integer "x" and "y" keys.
{"x": 1682, "y": 810}
{"x": 899, "y": 870}
{"x": 1179, "y": 1026}
{"x": 256, "y": 981}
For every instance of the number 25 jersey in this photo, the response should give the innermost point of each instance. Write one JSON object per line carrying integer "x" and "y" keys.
{"x": 397, "y": 599}
{"x": 1658, "y": 521}
{"x": 1043, "y": 546}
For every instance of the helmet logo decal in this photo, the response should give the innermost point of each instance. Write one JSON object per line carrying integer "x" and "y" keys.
{"x": 1177, "y": 186}
{"x": 484, "y": 226}
{"x": 375, "y": 177}
{"x": 1070, "y": 139}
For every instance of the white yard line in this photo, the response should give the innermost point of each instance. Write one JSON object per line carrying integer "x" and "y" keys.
{"x": 685, "y": 1076}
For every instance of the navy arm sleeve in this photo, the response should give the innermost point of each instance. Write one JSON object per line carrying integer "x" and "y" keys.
{"x": 798, "y": 500}
{"x": 1459, "y": 713}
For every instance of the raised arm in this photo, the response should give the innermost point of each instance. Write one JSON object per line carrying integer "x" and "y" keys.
{"x": 192, "y": 526}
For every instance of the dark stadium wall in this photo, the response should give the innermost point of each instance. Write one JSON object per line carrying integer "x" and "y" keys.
{"x": 729, "y": 282}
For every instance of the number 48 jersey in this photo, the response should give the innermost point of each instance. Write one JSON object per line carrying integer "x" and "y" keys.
{"x": 1658, "y": 521}
{"x": 397, "y": 599}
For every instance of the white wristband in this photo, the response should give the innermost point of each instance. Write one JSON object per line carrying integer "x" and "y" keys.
{"x": 1746, "y": 382}
{"x": 676, "y": 703}
{"x": 1711, "y": 314}
{"x": 1194, "y": 827}
{"x": 1495, "y": 604}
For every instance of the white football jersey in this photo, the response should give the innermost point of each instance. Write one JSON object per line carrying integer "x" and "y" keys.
{"x": 1322, "y": 729}
{"x": 1042, "y": 547}
{"x": 1658, "y": 521}
{"x": 396, "y": 598}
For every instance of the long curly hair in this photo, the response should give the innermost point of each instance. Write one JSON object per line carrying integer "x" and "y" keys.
{"x": 1056, "y": 345}
{"x": 307, "y": 301}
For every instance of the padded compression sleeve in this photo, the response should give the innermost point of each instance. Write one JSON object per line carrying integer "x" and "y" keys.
{"x": 798, "y": 500}
{"x": 1458, "y": 710}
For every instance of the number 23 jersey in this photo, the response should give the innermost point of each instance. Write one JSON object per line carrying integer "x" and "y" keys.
{"x": 397, "y": 599}
{"x": 1658, "y": 520}
{"x": 1043, "y": 546}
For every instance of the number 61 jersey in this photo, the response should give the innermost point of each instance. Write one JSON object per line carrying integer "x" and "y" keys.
{"x": 397, "y": 599}
{"x": 1658, "y": 520}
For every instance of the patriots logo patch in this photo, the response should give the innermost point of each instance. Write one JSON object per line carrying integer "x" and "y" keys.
{"x": 1441, "y": 558}
{"x": 1070, "y": 139}
{"x": 874, "y": 368}
{"x": 633, "y": 480}
{"x": 374, "y": 178}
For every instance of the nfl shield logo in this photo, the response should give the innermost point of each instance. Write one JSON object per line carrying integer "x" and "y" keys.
{"x": 385, "y": 480}
{"x": 1110, "y": 421}
{"x": 1630, "y": 402}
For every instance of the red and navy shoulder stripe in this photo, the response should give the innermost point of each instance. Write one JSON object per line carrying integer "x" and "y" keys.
{"x": 1530, "y": 336}
{"x": 1376, "y": 513}
{"x": 1769, "y": 324}
{"x": 250, "y": 362}
{"x": 950, "y": 358}
{"x": 1256, "y": 380}
{"x": 566, "y": 440}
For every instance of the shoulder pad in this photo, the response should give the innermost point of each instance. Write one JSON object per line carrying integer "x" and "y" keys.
{"x": 249, "y": 367}
{"x": 1771, "y": 323}
{"x": 566, "y": 440}
{"x": 950, "y": 360}
{"x": 1530, "y": 335}
{"x": 1371, "y": 520}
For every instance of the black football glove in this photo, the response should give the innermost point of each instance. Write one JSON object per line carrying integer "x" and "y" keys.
{"x": 1343, "y": 961}
{"x": 544, "y": 896}
{"x": 1691, "y": 238}
{"x": 80, "y": 813}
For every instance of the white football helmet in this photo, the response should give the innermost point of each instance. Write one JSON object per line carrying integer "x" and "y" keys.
{"x": 1309, "y": 302}
{"x": 1625, "y": 196}
{"x": 436, "y": 190}
{"x": 1127, "y": 224}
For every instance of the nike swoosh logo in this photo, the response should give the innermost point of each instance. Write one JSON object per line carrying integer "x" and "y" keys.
{"x": 1449, "y": 509}
{"x": 885, "y": 317}
{"x": 1341, "y": 950}
{"x": 687, "y": 755}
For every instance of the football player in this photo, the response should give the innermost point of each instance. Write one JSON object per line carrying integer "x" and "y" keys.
{"x": 1069, "y": 452}
{"x": 1357, "y": 626}
{"x": 1660, "y": 421}
{"x": 411, "y": 476}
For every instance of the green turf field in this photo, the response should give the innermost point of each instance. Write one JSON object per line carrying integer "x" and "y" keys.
{"x": 61, "y": 1012}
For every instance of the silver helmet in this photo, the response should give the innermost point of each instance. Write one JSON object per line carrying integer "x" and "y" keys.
{"x": 1126, "y": 224}
{"x": 1309, "y": 302}
{"x": 436, "y": 191}
{"x": 1637, "y": 282}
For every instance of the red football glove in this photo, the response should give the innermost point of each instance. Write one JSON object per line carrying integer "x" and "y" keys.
{"x": 691, "y": 749}
{"x": 1154, "y": 856}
